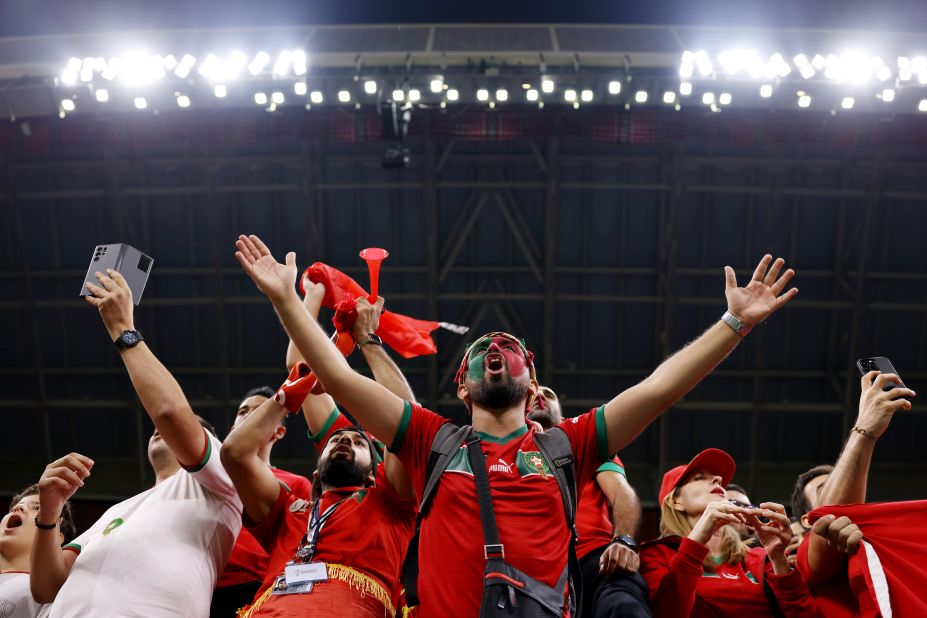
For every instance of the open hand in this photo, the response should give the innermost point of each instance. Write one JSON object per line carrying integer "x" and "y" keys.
{"x": 276, "y": 280}
{"x": 113, "y": 300}
{"x": 763, "y": 295}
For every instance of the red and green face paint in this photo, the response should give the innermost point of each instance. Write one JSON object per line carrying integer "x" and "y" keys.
{"x": 509, "y": 349}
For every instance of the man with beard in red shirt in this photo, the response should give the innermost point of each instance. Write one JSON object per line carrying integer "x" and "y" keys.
{"x": 496, "y": 380}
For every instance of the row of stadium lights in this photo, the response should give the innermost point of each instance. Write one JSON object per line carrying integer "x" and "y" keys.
{"x": 137, "y": 70}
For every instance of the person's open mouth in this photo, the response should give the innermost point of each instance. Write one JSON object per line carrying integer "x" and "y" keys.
{"x": 495, "y": 364}
{"x": 15, "y": 521}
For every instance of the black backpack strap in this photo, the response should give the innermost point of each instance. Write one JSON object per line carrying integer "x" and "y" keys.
{"x": 443, "y": 448}
{"x": 492, "y": 547}
{"x": 555, "y": 447}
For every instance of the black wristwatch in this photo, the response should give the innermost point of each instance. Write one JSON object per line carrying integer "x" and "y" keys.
{"x": 626, "y": 540}
{"x": 128, "y": 339}
{"x": 369, "y": 338}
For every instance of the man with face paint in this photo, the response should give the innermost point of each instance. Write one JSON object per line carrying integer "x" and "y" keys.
{"x": 608, "y": 516}
{"x": 496, "y": 381}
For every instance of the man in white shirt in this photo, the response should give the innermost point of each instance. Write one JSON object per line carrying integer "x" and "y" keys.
{"x": 158, "y": 553}
{"x": 17, "y": 533}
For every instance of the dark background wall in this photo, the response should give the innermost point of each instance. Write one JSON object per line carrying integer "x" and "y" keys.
{"x": 598, "y": 235}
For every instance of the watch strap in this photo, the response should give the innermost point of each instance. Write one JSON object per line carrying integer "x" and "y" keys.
{"x": 42, "y": 526}
{"x": 737, "y": 325}
{"x": 369, "y": 338}
{"x": 121, "y": 342}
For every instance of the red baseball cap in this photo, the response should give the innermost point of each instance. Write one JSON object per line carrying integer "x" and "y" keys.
{"x": 711, "y": 460}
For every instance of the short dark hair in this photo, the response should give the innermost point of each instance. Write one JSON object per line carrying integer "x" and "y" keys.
{"x": 67, "y": 519}
{"x": 800, "y": 504}
{"x": 263, "y": 391}
{"x": 737, "y": 488}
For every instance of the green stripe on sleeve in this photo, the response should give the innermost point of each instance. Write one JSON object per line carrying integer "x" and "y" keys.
{"x": 601, "y": 433}
{"x": 73, "y": 547}
{"x": 206, "y": 453}
{"x": 317, "y": 438}
{"x": 401, "y": 430}
{"x": 611, "y": 466}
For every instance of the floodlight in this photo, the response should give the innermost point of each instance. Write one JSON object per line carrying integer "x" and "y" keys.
{"x": 807, "y": 71}
{"x": 140, "y": 103}
{"x": 614, "y": 87}
{"x": 102, "y": 95}
{"x": 884, "y": 73}
{"x": 398, "y": 95}
{"x": 344, "y": 96}
{"x": 370, "y": 86}
{"x": 708, "y": 98}
{"x": 482, "y": 94}
{"x": 725, "y": 98}
{"x": 182, "y": 101}
{"x": 685, "y": 89}
{"x": 68, "y": 78}
{"x": 703, "y": 63}
{"x": 67, "y": 105}
{"x": 277, "y": 97}
{"x": 209, "y": 67}
{"x": 183, "y": 67}
{"x": 74, "y": 65}
{"x": 640, "y": 96}
{"x": 436, "y": 85}
{"x": 847, "y": 103}
{"x": 800, "y": 60}
{"x": 260, "y": 61}
{"x": 922, "y": 106}
{"x": 260, "y": 98}
{"x": 502, "y": 95}
{"x": 220, "y": 91}
{"x": 316, "y": 96}
{"x": 299, "y": 63}
{"x": 300, "y": 88}
{"x": 414, "y": 95}
{"x": 284, "y": 60}
{"x": 532, "y": 95}
{"x": 888, "y": 95}
{"x": 586, "y": 96}
{"x": 170, "y": 63}
{"x": 818, "y": 62}
{"x": 452, "y": 94}
{"x": 669, "y": 97}
{"x": 569, "y": 95}
{"x": 804, "y": 101}
{"x": 547, "y": 86}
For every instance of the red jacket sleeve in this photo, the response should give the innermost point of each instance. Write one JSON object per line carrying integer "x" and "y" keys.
{"x": 672, "y": 575}
{"x": 792, "y": 593}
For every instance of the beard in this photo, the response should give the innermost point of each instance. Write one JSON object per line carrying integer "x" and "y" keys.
{"x": 341, "y": 472}
{"x": 498, "y": 394}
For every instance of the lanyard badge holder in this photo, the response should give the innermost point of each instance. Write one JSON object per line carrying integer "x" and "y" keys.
{"x": 301, "y": 574}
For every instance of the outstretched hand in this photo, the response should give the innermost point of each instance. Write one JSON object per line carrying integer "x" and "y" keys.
{"x": 276, "y": 280}
{"x": 763, "y": 295}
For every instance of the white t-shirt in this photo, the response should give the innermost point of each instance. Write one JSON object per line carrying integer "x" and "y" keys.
{"x": 15, "y": 598}
{"x": 158, "y": 553}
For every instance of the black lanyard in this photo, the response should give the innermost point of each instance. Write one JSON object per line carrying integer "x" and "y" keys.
{"x": 307, "y": 545}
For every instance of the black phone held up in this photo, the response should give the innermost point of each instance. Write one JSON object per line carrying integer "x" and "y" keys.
{"x": 881, "y": 364}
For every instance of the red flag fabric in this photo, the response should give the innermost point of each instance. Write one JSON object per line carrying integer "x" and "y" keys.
{"x": 886, "y": 577}
{"x": 408, "y": 336}
{"x": 294, "y": 390}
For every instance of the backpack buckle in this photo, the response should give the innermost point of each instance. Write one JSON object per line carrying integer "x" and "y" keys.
{"x": 495, "y": 551}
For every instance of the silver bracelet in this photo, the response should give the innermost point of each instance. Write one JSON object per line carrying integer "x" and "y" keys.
{"x": 737, "y": 325}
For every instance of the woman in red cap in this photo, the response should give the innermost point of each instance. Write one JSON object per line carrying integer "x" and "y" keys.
{"x": 700, "y": 567}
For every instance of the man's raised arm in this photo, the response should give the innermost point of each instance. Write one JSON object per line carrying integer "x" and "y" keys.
{"x": 159, "y": 392}
{"x": 628, "y": 414}
{"x": 256, "y": 484}
{"x": 379, "y": 410}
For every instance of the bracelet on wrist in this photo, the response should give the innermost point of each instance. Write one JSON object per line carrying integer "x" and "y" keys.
{"x": 736, "y": 324}
{"x": 864, "y": 432}
{"x": 42, "y": 526}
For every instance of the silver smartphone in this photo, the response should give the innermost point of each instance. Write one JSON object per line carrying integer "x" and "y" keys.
{"x": 128, "y": 261}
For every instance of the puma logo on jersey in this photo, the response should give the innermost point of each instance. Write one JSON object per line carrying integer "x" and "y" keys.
{"x": 501, "y": 466}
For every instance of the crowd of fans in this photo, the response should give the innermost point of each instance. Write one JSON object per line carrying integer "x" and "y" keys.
{"x": 522, "y": 513}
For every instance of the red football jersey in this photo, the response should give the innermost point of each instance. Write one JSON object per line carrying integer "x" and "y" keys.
{"x": 369, "y": 532}
{"x": 680, "y": 586}
{"x": 526, "y": 499}
{"x": 248, "y": 561}
{"x": 593, "y": 525}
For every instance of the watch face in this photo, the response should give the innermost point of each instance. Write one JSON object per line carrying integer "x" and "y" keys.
{"x": 129, "y": 338}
